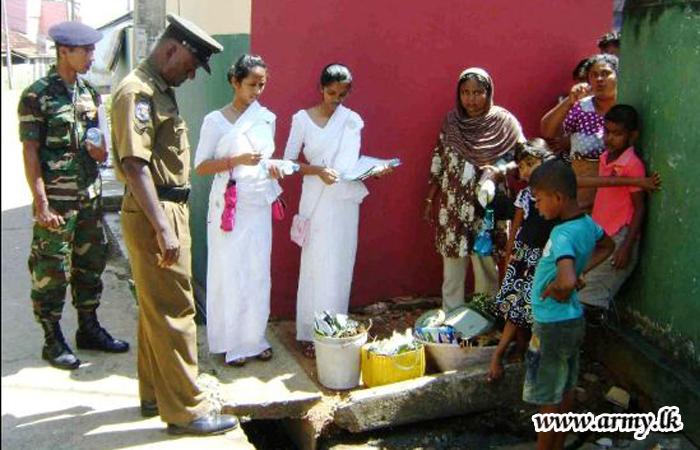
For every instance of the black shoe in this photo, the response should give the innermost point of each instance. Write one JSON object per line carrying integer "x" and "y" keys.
{"x": 91, "y": 336}
{"x": 56, "y": 351}
{"x": 149, "y": 408}
{"x": 212, "y": 423}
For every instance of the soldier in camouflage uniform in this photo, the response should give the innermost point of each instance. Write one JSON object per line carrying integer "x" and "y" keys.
{"x": 69, "y": 243}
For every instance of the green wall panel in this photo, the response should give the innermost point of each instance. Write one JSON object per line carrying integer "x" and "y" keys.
{"x": 660, "y": 76}
{"x": 197, "y": 99}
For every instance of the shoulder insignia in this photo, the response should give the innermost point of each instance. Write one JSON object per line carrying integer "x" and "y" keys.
{"x": 142, "y": 111}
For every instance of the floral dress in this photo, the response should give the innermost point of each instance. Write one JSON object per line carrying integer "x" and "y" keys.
{"x": 513, "y": 299}
{"x": 458, "y": 217}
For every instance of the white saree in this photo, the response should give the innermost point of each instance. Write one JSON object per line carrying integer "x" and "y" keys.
{"x": 238, "y": 271}
{"x": 328, "y": 257}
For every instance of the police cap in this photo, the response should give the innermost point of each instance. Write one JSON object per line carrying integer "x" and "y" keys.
{"x": 193, "y": 38}
{"x": 74, "y": 34}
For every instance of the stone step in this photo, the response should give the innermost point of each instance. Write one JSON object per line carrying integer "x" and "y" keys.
{"x": 430, "y": 397}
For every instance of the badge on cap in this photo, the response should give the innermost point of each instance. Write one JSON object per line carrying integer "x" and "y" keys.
{"x": 142, "y": 111}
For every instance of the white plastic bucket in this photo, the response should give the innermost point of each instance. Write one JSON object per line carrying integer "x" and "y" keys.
{"x": 338, "y": 360}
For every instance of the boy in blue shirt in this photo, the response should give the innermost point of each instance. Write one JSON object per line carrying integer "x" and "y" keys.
{"x": 575, "y": 246}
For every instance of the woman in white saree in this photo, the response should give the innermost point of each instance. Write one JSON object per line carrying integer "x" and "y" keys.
{"x": 234, "y": 143}
{"x": 330, "y": 135}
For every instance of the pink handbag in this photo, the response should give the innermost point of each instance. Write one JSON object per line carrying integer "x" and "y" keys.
{"x": 299, "y": 233}
{"x": 228, "y": 216}
{"x": 300, "y": 230}
{"x": 278, "y": 209}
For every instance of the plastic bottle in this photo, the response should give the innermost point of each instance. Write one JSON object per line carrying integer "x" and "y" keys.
{"x": 483, "y": 242}
{"x": 286, "y": 166}
{"x": 94, "y": 136}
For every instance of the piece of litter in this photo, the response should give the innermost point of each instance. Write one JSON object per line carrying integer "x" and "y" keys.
{"x": 336, "y": 325}
{"x": 397, "y": 344}
{"x": 604, "y": 442}
{"x": 618, "y": 396}
{"x": 591, "y": 377}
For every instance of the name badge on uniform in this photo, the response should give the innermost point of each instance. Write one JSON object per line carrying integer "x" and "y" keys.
{"x": 142, "y": 111}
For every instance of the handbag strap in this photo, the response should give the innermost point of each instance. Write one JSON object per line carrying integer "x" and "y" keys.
{"x": 335, "y": 155}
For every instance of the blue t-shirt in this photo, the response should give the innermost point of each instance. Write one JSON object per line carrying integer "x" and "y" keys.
{"x": 575, "y": 238}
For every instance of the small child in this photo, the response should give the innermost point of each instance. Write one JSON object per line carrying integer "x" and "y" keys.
{"x": 574, "y": 247}
{"x": 528, "y": 235}
{"x": 618, "y": 210}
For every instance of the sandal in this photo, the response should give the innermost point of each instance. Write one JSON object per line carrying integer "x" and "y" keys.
{"x": 308, "y": 350}
{"x": 238, "y": 362}
{"x": 266, "y": 355}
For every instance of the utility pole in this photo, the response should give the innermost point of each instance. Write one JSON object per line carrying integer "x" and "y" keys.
{"x": 75, "y": 4}
{"x": 8, "y": 48}
{"x": 72, "y": 10}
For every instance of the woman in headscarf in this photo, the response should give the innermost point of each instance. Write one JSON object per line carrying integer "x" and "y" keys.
{"x": 475, "y": 135}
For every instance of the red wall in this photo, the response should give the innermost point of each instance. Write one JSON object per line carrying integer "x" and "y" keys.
{"x": 405, "y": 57}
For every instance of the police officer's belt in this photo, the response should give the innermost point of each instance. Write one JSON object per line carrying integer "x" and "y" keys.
{"x": 177, "y": 194}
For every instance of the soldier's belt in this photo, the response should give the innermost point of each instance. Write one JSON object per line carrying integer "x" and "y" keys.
{"x": 176, "y": 194}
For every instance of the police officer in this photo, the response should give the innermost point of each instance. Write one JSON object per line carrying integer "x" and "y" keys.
{"x": 153, "y": 160}
{"x": 61, "y": 168}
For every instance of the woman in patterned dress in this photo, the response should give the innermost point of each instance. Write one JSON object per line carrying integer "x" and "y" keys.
{"x": 581, "y": 115}
{"x": 474, "y": 135}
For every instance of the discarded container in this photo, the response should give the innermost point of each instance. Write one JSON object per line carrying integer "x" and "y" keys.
{"x": 619, "y": 397}
{"x": 438, "y": 335}
{"x": 430, "y": 319}
{"x": 468, "y": 322}
{"x": 378, "y": 370}
{"x": 338, "y": 360}
{"x": 448, "y": 357}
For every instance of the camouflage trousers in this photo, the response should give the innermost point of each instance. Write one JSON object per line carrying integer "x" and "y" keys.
{"x": 74, "y": 253}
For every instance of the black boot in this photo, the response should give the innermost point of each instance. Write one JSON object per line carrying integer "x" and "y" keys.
{"x": 91, "y": 336}
{"x": 56, "y": 350}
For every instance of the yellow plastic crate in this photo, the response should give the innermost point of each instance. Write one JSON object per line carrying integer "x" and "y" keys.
{"x": 378, "y": 370}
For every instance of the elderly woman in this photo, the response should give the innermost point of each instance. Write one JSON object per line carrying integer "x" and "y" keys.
{"x": 581, "y": 114}
{"x": 474, "y": 135}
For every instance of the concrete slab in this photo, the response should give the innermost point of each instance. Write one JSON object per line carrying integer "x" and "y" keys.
{"x": 96, "y": 406}
{"x": 113, "y": 229}
{"x": 112, "y": 190}
{"x": 429, "y": 397}
{"x": 274, "y": 389}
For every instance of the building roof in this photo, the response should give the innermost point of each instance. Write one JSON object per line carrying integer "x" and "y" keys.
{"x": 17, "y": 15}
{"x": 128, "y": 17}
{"x": 51, "y": 14}
{"x": 21, "y": 45}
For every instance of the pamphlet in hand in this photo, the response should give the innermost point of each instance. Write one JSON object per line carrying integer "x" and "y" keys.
{"x": 367, "y": 166}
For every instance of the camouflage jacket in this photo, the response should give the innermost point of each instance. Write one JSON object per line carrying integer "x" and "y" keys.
{"x": 57, "y": 118}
